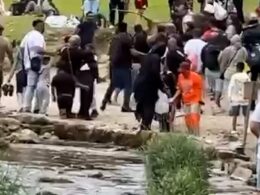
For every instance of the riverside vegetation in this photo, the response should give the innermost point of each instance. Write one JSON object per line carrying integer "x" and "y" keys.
{"x": 176, "y": 164}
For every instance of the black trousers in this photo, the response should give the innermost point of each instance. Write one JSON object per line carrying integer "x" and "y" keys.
{"x": 239, "y": 7}
{"x": 65, "y": 103}
{"x": 146, "y": 111}
{"x": 113, "y": 5}
{"x": 255, "y": 71}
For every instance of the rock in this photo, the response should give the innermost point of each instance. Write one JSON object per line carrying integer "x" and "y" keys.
{"x": 54, "y": 138}
{"x": 13, "y": 128}
{"x": 45, "y": 136}
{"x": 246, "y": 164}
{"x": 98, "y": 175}
{"x": 45, "y": 193}
{"x": 226, "y": 154}
{"x": 241, "y": 174}
{"x": 54, "y": 180}
{"x": 35, "y": 119}
{"x": 24, "y": 136}
{"x": 3, "y": 144}
{"x": 9, "y": 122}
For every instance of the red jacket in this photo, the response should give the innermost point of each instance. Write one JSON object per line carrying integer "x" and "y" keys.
{"x": 141, "y": 4}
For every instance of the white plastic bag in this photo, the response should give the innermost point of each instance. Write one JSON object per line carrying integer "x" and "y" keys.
{"x": 209, "y": 8}
{"x": 162, "y": 104}
{"x": 219, "y": 12}
{"x": 76, "y": 101}
{"x": 132, "y": 102}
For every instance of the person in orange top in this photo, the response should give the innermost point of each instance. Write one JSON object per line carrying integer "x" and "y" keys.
{"x": 190, "y": 87}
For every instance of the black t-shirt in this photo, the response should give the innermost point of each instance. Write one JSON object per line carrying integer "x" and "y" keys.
{"x": 120, "y": 51}
{"x": 86, "y": 32}
{"x": 140, "y": 44}
{"x": 173, "y": 60}
{"x": 64, "y": 83}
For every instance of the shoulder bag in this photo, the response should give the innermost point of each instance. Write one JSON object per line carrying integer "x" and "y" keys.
{"x": 222, "y": 76}
{"x": 35, "y": 62}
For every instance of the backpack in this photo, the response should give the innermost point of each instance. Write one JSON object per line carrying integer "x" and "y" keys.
{"x": 254, "y": 55}
{"x": 220, "y": 40}
{"x": 209, "y": 57}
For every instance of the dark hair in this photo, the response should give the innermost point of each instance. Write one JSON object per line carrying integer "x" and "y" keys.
{"x": 1, "y": 27}
{"x": 122, "y": 27}
{"x": 138, "y": 28}
{"x": 161, "y": 28}
{"x": 236, "y": 22}
{"x": 196, "y": 33}
{"x": 36, "y": 22}
{"x": 240, "y": 66}
{"x": 66, "y": 39}
{"x": 159, "y": 48}
{"x": 161, "y": 38}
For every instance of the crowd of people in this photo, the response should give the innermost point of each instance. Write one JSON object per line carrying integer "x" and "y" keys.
{"x": 172, "y": 63}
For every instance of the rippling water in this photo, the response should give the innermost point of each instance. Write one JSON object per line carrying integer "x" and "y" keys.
{"x": 122, "y": 171}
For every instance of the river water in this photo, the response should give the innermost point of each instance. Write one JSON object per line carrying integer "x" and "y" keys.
{"x": 82, "y": 169}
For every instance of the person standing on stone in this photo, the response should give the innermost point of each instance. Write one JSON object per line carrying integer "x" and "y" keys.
{"x": 5, "y": 49}
{"x": 235, "y": 94}
{"x": 113, "y": 6}
{"x": 91, "y": 6}
{"x": 20, "y": 74}
{"x": 86, "y": 30}
{"x": 190, "y": 87}
{"x": 33, "y": 45}
{"x": 43, "y": 88}
{"x": 147, "y": 84}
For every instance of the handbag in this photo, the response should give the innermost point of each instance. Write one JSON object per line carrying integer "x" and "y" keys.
{"x": 162, "y": 104}
{"x": 219, "y": 12}
{"x": 76, "y": 101}
{"x": 35, "y": 62}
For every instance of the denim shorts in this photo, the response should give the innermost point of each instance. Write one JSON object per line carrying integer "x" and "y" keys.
{"x": 121, "y": 78}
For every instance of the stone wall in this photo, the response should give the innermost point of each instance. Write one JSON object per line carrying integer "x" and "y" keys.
{"x": 30, "y": 128}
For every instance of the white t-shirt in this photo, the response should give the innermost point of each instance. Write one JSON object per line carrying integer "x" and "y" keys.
{"x": 33, "y": 42}
{"x": 255, "y": 117}
{"x": 194, "y": 47}
{"x": 236, "y": 89}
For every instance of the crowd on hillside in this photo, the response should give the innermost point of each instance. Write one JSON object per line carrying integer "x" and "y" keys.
{"x": 163, "y": 72}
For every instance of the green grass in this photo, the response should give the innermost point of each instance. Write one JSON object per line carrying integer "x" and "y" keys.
{"x": 176, "y": 165}
{"x": 16, "y": 27}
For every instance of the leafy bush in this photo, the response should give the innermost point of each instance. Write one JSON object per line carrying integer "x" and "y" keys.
{"x": 176, "y": 165}
{"x": 10, "y": 181}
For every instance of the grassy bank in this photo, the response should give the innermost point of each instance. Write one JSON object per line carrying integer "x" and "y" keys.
{"x": 176, "y": 165}
{"x": 17, "y": 26}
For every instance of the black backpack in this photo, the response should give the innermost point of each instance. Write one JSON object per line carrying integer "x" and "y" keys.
{"x": 253, "y": 55}
{"x": 209, "y": 57}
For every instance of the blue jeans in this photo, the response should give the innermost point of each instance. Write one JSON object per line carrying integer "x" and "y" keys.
{"x": 91, "y": 6}
{"x": 32, "y": 80}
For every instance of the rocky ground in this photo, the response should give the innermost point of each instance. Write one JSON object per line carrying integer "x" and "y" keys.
{"x": 120, "y": 128}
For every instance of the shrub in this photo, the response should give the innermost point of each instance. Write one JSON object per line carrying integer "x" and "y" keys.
{"x": 176, "y": 165}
